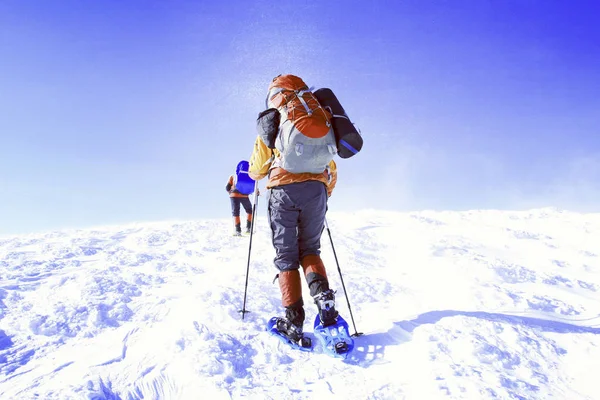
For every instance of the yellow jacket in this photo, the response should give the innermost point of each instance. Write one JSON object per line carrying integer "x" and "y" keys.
{"x": 260, "y": 166}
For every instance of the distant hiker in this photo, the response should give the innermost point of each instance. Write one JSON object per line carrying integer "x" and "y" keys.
{"x": 297, "y": 156}
{"x": 239, "y": 186}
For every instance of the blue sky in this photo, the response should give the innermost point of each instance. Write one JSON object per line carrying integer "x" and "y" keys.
{"x": 113, "y": 112}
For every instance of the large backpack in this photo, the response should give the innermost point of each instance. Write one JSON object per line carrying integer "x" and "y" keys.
{"x": 305, "y": 139}
{"x": 241, "y": 180}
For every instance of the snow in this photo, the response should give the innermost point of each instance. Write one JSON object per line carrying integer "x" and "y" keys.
{"x": 453, "y": 305}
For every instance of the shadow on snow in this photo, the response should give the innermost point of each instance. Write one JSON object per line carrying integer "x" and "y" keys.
{"x": 370, "y": 349}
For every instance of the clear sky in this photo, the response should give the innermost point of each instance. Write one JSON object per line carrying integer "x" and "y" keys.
{"x": 114, "y": 111}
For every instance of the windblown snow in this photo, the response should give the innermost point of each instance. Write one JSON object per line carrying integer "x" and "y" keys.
{"x": 453, "y": 305}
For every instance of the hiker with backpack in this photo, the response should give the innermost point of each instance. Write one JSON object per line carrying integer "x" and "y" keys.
{"x": 295, "y": 149}
{"x": 239, "y": 186}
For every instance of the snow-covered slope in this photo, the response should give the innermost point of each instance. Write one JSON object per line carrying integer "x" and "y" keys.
{"x": 470, "y": 305}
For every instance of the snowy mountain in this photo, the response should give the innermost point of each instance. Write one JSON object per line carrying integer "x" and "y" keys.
{"x": 453, "y": 305}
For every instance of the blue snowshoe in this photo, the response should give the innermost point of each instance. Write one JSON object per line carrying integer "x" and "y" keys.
{"x": 330, "y": 327}
{"x": 335, "y": 338}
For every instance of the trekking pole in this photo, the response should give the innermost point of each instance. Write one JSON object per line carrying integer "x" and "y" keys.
{"x": 243, "y": 310}
{"x": 356, "y": 333}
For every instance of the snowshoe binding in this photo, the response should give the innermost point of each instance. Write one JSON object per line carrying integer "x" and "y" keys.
{"x": 335, "y": 338}
{"x": 289, "y": 333}
{"x": 325, "y": 302}
{"x": 330, "y": 328}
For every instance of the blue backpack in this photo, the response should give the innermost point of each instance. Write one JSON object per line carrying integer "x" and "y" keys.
{"x": 241, "y": 180}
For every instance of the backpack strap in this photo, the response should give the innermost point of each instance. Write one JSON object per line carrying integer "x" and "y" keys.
{"x": 333, "y": 115}
{"x": 339, "y": 116}
{"x": 300, "y": 96}
{"x": 270, "y": 160}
